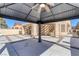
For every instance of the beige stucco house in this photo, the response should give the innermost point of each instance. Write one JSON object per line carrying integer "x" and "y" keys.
{"x": 19, "y": 27}
{"x": 56, "y": 29}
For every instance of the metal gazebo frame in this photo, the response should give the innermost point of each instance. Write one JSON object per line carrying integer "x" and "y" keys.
{"x": 58, "y": 12}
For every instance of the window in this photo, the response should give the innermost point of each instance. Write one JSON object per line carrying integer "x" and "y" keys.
{"x": 16, "y": 27}
{"x": 20, "y": 27}
{"x": 62, "y": 27}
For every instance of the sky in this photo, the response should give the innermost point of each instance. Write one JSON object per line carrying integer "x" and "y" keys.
{"x": 74, "y": 22}
{"x": 11, "y": 22}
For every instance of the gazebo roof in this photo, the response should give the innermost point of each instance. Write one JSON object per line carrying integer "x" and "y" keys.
{"x": 24, "y": 12}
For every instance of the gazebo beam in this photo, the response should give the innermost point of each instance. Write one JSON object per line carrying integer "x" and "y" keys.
{"x": 16, "y": 18}
{"x": 56, "y": 5}
{"x": 7, "y": 5}
{"x": 63, "y": 19}
{"x": 72, "y": 5}
{"x": 28, "y": 14}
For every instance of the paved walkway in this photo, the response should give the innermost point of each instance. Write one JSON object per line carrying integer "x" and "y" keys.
{"x": 67, "y": 47}
{"x": 59, "y": 49}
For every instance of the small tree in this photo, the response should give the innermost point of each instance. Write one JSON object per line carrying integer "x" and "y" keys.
{"x": 78, "y": 33}
{"x": 77, "y": 28}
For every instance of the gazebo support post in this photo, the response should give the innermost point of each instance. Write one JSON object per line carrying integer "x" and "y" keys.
{"x": 39, "y": 38}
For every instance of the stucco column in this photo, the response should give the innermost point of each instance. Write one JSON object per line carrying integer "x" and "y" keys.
{"x": 57, "y": 29}
{"x": 34, "y": 30}
{"x": 23, "y": 31}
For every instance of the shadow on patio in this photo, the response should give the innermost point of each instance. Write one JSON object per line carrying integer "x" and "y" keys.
{"x": 72, "y": 45}
{"x": 74, "y": 42}
{"x": 29, "y": 47}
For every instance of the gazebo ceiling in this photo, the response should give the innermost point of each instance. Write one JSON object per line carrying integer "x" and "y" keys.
{"x": 39, "y": 12}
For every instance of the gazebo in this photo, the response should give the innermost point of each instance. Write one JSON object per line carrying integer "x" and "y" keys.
{"x": 39, "y": 13}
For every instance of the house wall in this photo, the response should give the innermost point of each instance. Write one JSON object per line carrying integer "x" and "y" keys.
{"x": 58, "y": 28}
{"x": 46, "y": 29}
{"x": 9, "y": 31}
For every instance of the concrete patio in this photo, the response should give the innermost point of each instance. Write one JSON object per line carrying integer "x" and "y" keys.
{"x": 26, "y": 46}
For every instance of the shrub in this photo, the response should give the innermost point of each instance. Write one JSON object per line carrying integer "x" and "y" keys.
{"x": 78, "y": 33}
